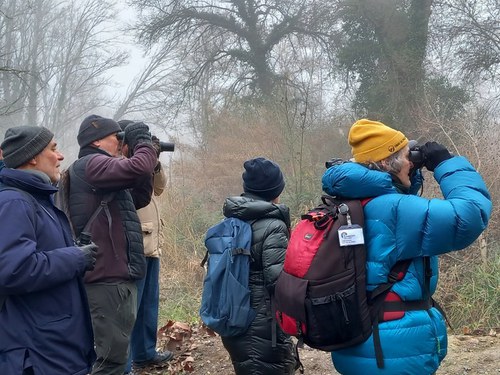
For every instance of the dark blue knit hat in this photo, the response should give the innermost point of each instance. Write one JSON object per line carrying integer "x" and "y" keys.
{"x": 263, "y": 177}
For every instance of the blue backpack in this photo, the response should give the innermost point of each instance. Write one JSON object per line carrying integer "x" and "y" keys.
{"x": 225, "y": 301}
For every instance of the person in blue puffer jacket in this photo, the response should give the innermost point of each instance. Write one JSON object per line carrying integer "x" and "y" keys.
{"x": 401, "y": 226}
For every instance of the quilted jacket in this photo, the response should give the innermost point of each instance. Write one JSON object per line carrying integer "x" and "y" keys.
{"x": 400, "y": 226}
{"x": 252, "y": 352}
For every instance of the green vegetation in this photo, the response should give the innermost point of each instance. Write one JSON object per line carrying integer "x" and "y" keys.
{"x": 475, "y": 301}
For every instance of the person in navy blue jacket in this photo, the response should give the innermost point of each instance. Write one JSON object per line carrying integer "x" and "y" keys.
{"x": 45, "y": 325}
{"x": 402, "y": 226}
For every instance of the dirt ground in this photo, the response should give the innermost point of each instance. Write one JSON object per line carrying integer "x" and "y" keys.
{"x": 199, "y": 352}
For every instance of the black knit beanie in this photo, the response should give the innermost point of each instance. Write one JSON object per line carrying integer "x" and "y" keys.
{"x": 263, "y": 177}
{"x": 23, "y": 143}
{"x": 124, "y": 123}
{"x": 96, "y": 127}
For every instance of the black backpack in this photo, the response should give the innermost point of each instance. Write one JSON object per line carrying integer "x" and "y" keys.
{"x": 320, "y": 296}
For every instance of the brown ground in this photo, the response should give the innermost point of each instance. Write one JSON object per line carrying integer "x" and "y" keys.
{"x": 199, "y": 352}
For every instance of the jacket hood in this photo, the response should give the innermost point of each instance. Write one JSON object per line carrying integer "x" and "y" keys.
{"x": 248, "y": 207}
{"x": 355, "y": 181}
{"x": 27, "y": 181}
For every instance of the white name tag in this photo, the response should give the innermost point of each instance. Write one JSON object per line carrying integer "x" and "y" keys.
{"x": 350, "y": 235}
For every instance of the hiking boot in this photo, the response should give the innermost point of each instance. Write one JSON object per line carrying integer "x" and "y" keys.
{"x": 158, "y": 359}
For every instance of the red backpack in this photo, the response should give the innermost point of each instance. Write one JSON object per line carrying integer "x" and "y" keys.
{"x": 320, "y": 296}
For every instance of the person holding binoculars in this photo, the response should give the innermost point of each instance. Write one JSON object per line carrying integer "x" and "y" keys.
{"x": 401, "y": 226}
{"x": 105, "y": 191}
{"x": 142, "y": 351}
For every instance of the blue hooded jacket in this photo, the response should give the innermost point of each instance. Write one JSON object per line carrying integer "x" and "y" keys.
{"x": 44, "y": 320}
{"x": 398, "y": 227}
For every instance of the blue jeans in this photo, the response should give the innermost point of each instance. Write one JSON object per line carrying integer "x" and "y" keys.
{"x": 143, "y": 338}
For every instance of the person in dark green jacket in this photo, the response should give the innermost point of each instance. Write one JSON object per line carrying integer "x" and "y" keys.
{"x": 253, "y": 353}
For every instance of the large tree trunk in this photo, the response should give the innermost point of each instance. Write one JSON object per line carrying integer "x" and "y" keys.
{"x": 402, "y": 36}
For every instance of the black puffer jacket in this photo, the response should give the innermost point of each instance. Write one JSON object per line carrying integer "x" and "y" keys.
{"x": 252, "y": 353}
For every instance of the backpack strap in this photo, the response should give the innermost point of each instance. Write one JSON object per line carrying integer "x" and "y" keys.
{"x": 379, "y": 304}
{"x": 376, "y": 301}
{"x": 204, "y": 260}
{"x": 107, "y": 197}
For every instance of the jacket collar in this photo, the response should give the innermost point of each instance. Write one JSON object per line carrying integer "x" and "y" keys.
{"x": 29, "y": 181}
{"x": 89, "y": 150}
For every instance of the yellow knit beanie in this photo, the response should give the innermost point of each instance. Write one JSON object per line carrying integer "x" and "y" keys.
{"x": 374, "y": 141}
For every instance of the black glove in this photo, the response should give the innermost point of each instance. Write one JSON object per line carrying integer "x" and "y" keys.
{"x": 90, "y": 253}
{"x": 136, "y": 133}
{"x": 434, "y": 154}
{"x": 156, "y": 145}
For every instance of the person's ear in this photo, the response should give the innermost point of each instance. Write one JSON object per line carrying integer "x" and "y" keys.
{"x": 384, "y": 164}
{"x": 125, "y": 150}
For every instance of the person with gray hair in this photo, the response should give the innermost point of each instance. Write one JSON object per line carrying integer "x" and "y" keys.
{"x": 45, "y": 321}
{"x": 409, "y": 331}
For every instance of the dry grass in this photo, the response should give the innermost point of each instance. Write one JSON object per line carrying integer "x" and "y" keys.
{"x": 202, "y": 177}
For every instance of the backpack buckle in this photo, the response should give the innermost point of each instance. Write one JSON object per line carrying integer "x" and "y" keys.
{"x": 240, "y": 251}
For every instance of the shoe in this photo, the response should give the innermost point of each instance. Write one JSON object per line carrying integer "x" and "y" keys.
{"x": 158, "y": 359}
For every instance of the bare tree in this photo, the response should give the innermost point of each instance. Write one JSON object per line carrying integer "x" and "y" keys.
{"x": 61, "y": 52}
{"x": 474, "y": 27}
{"x": 238, "y": 38}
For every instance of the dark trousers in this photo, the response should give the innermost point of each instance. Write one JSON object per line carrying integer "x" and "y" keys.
{"x": 143, "y": 340}
{"x": 113, "y": 309}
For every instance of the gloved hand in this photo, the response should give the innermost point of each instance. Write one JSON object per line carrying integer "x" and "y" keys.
{"x": 417, "y": 180}
{"x": 136, "y": 133}
{"x": 156, "y": 145}
{"x": 90, "y": 254}
{"x": 434, "y": 154}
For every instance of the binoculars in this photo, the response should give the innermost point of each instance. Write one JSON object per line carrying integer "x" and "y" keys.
{"x": 417, "y": 157}
{"x": 164, "y": 146}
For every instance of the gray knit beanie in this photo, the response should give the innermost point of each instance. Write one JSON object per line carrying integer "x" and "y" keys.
{"x": 23, "y": 143}
{"x": 96, "y": 127}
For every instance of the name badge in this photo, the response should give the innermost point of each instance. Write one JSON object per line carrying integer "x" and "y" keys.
{"x": 350, "y": 235}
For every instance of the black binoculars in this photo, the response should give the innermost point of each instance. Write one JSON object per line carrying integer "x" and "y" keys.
{"x": 164, "y": 146}
{"x": 417, "y": 157}
{"x": 334, "y": 161}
